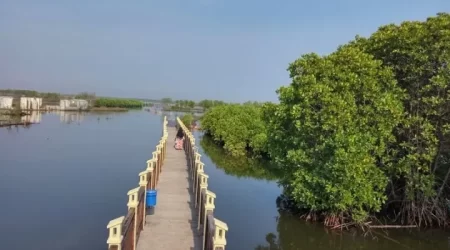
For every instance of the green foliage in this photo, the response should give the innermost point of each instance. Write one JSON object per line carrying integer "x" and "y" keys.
{"x": 240, "y": 166}
{"x": 331, "y": 129}
{"x": 117, "y": 103}
{"x": 253, "y": 103}
{"x": 207, "y": 104}
{"x": 47, "y": 97}
{"x": 183, "y": 104}
{"x": 166, "y": 100}
{"x": 50, "y": 97}
{"x": 19, "y": 92}
{"x": 85, "y": 96}
{"x": 367, "y": 123}
{"x": 237, "y": 127}
{"x": 187, "y": 119}
{"x": 419, "y": 54}
{"x": 342, "y": 138}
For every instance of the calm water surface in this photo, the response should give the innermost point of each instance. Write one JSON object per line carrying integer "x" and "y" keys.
{"x": 62, "y": 180}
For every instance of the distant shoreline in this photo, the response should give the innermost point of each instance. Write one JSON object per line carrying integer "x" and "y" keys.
{"x": 96, "y": 109}
{"x": 106, "y": 109}
{"x": 184, "y": 110}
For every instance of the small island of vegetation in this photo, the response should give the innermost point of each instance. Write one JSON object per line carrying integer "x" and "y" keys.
{"x": 119, "y": 103}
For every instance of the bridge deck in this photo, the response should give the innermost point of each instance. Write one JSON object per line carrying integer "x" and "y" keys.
{"x": 174, "y": 222}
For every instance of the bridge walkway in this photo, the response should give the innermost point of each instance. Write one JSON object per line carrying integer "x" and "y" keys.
{"x": 174, "y": 222}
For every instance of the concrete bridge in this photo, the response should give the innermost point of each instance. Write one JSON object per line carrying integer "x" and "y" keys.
{"x": 184, "y": 214}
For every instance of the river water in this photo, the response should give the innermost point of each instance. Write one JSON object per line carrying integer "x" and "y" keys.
{"x": 63, "y": 179}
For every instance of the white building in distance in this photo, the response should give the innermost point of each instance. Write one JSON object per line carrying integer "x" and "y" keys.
{"x": 6, "y": 102}
{"x": 30, "y": 103}
{"x": 75, "y": 104}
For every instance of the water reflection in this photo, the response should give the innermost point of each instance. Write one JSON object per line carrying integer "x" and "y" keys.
{"x": 66, "y": 117}
{"x": 238, "y": 166}
{"x": 69, "y": 173}
{"x": 33, "y": 118}
{"x": 70, "y": 117}
{"x": 293, "y": 233}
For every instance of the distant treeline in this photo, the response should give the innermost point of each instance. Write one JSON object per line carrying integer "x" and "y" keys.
{"x": 189, "y": 104}
{"x": 53, "y": 97}
{"x": 206, "y": 104}
{"x": 46, "y": 96}
{"x": 85, "y": 96}
{"x": 117, "y": 103}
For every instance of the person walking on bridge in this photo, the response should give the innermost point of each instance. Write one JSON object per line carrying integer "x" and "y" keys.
{"x": 179, "y": 139}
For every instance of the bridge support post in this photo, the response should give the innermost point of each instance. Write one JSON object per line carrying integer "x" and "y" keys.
{"x": 143, "y": 183}
{"x": 164, "y": 140}
{"x": 160, "y": 153}
{"x": 143, "y": 178}
{"x": 151, "y": 174}
{"x": 115, "y": 233}
{"x": 197, "y": 180}
{"x": 187, "y": 140}
{"x": 155, "y": 159}
{"x": 219, "y": 239}
{"x": 192, "y": 146}
{"x": 133, "y": 202}
{"x": 161, "y": 148}
{"x": 159, "y": 157}
{"x": 194, "y": 158}
{"x": 209, "y": 208}
{"x": 195, "y": 165}
{"x": 165, "y": 143}
{"x": 132, "y": 198}
{"x": 191, "y": 151}
{"x": 161, "y": 144}
{"x": 202, "y": 196}
{"x": 203, "y": 184}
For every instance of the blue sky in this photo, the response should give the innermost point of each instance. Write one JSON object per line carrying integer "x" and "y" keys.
{"x": 233, "y": 50}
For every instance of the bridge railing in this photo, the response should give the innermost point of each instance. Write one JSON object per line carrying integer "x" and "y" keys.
{"x": 124, "y": 231}
{"x": 212, "y": 230}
